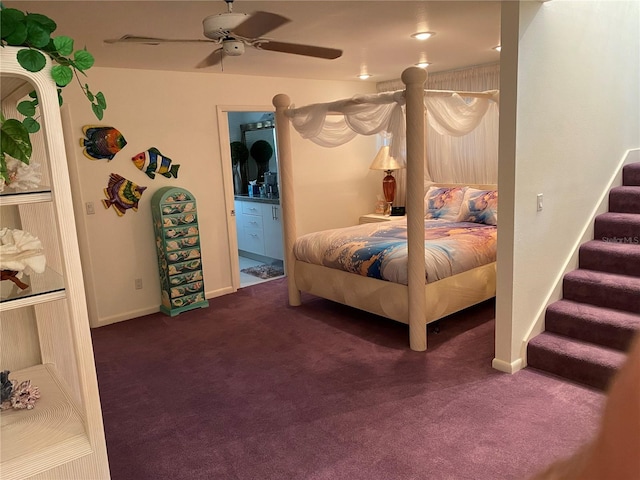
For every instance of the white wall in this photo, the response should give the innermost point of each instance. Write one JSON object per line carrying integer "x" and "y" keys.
{"x": 176, "y": 113}
{"x": 577, "y": 113}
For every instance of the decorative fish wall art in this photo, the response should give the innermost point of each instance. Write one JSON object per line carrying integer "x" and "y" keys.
{"x": 101, "y": 142}
{"x": 152, "y": 162}
{"x": 122, "y": 194}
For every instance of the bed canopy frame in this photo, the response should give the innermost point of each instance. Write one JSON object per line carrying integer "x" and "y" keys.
{"x": 407, "y": 131}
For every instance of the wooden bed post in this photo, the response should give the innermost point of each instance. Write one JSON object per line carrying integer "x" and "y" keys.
{"x": 287, "y": 202}
{"x": 414, "y": 78}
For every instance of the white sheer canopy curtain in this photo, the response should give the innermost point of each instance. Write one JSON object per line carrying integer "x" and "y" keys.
{"x": 335, "y": 123}
{"x": 471, "y": 158}
{"x": 462, "y": 142}
{"x": 464, "y": 147}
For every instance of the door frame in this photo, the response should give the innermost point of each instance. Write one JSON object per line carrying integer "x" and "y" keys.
{"x": 227, "y": 180}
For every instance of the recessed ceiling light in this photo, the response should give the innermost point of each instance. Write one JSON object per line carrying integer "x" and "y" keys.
{"x": 497, "y": 48}
{"x": 422, "y": 35}
{"x": 422, "y": 64}
{"x": 364, "y": 76}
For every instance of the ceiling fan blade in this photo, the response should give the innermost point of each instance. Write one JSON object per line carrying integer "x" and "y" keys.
{"x": 212, "y": 59}
{"x": 154, "y": 40}
{"x": 297, "y": 49}
{"x": 258, "y": 24}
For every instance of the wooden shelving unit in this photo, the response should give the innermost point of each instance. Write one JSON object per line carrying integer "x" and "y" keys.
{"x": 44, "y": 334}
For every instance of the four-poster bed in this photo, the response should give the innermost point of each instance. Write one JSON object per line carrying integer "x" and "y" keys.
{"x": 416, "y": 302}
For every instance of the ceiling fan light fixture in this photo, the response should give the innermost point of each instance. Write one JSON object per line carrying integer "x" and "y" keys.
{"x": 233, "y": 47}
{"x": 422, "y": 35}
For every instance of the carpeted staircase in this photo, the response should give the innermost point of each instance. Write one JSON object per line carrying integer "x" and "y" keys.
{"x": 588, "y": 331}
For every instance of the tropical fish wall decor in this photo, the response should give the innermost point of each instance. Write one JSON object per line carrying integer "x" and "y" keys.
{"x": 122, "y": 194}
{"x": 152, "y": 161}
{"x": 101, "y": 142}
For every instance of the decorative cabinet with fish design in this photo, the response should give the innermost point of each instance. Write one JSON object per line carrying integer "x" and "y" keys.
{"x": 44, "y": 328}
{"x": 175, "y": 223}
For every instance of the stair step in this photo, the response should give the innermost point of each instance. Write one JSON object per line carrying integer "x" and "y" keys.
{"x": 608, "y": 290}
{"x": 625, "y": 199}
{"x": 602, "y": 326}
{"x": 617, "y": 227}
{"x": 620, "y": 258}
{"x": 575, "y": 360}
{"x": 631, "y": 174}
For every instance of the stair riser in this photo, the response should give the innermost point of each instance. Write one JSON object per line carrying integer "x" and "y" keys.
{"x": 585, "y": 329}
{"x": 631, "y": 175}
{"x": 609, "y": 230}
{"x": 624, "y": 202}
{"x": 611, "y": 262}
{"x": 581, "y": 371}
{"x": 602, "y": 295}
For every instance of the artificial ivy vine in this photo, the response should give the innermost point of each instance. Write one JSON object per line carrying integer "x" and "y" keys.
{"x": 33, "y": 31}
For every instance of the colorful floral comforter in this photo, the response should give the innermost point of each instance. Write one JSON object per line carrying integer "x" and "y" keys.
{"x": 379, "y": 250}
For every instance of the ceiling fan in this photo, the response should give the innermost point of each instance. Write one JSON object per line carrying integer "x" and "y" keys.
{"x": 233, "y": 31}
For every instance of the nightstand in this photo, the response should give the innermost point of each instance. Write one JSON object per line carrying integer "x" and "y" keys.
{"x": 378, "y": 217}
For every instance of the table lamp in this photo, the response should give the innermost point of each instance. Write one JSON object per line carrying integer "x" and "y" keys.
{"x": 384, "y": 161}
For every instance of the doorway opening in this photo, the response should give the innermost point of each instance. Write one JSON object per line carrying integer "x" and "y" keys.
{"x": 254, "y": 167}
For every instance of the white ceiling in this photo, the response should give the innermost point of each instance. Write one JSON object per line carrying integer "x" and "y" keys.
{"x": 374, "y": 35}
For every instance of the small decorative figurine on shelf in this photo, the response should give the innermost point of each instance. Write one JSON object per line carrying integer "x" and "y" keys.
{"x": 20, "y": 253}
{"x": 6, "y": 386}
{"x": 19, "y": 396}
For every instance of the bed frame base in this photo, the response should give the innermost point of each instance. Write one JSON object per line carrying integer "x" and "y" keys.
{"x": 388, "y": 299}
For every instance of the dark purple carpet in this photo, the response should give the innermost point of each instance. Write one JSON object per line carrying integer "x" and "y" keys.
{"x": 251, "y": 388}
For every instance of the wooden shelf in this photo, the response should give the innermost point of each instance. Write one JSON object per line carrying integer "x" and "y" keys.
{"x": 43, "y": 287}
{"x": 37, "y": 195}
{"x": 51, "y": 434}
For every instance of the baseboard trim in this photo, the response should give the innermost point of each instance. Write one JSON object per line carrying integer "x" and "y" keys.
{"x": 148, "y": 311}
{"x": 101, "y": 322}
{"x": 507, "y": 367}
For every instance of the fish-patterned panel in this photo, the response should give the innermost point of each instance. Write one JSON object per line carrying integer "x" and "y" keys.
{"x": 178, "y": 208}
{"x": 181, "y": 232}
{"x": 178, "y": 268}
{"x": 186, "y": 278}
{"x": 188, "y": 242}
{"x": 174, "y": 221}
{"x": 188, "y": 289}
{"x": 179, "y": 197}
{"x": 183, "y": 255}
{"x": 191, "y": 299}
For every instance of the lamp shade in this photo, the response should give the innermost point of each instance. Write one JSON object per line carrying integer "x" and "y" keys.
{"x": 384, "y": 161}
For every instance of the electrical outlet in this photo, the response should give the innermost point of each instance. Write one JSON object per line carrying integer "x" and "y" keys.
{"x": 539, "y": 202}
{"x": 90, "y": 209}
{"x": 138, "y": 284}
